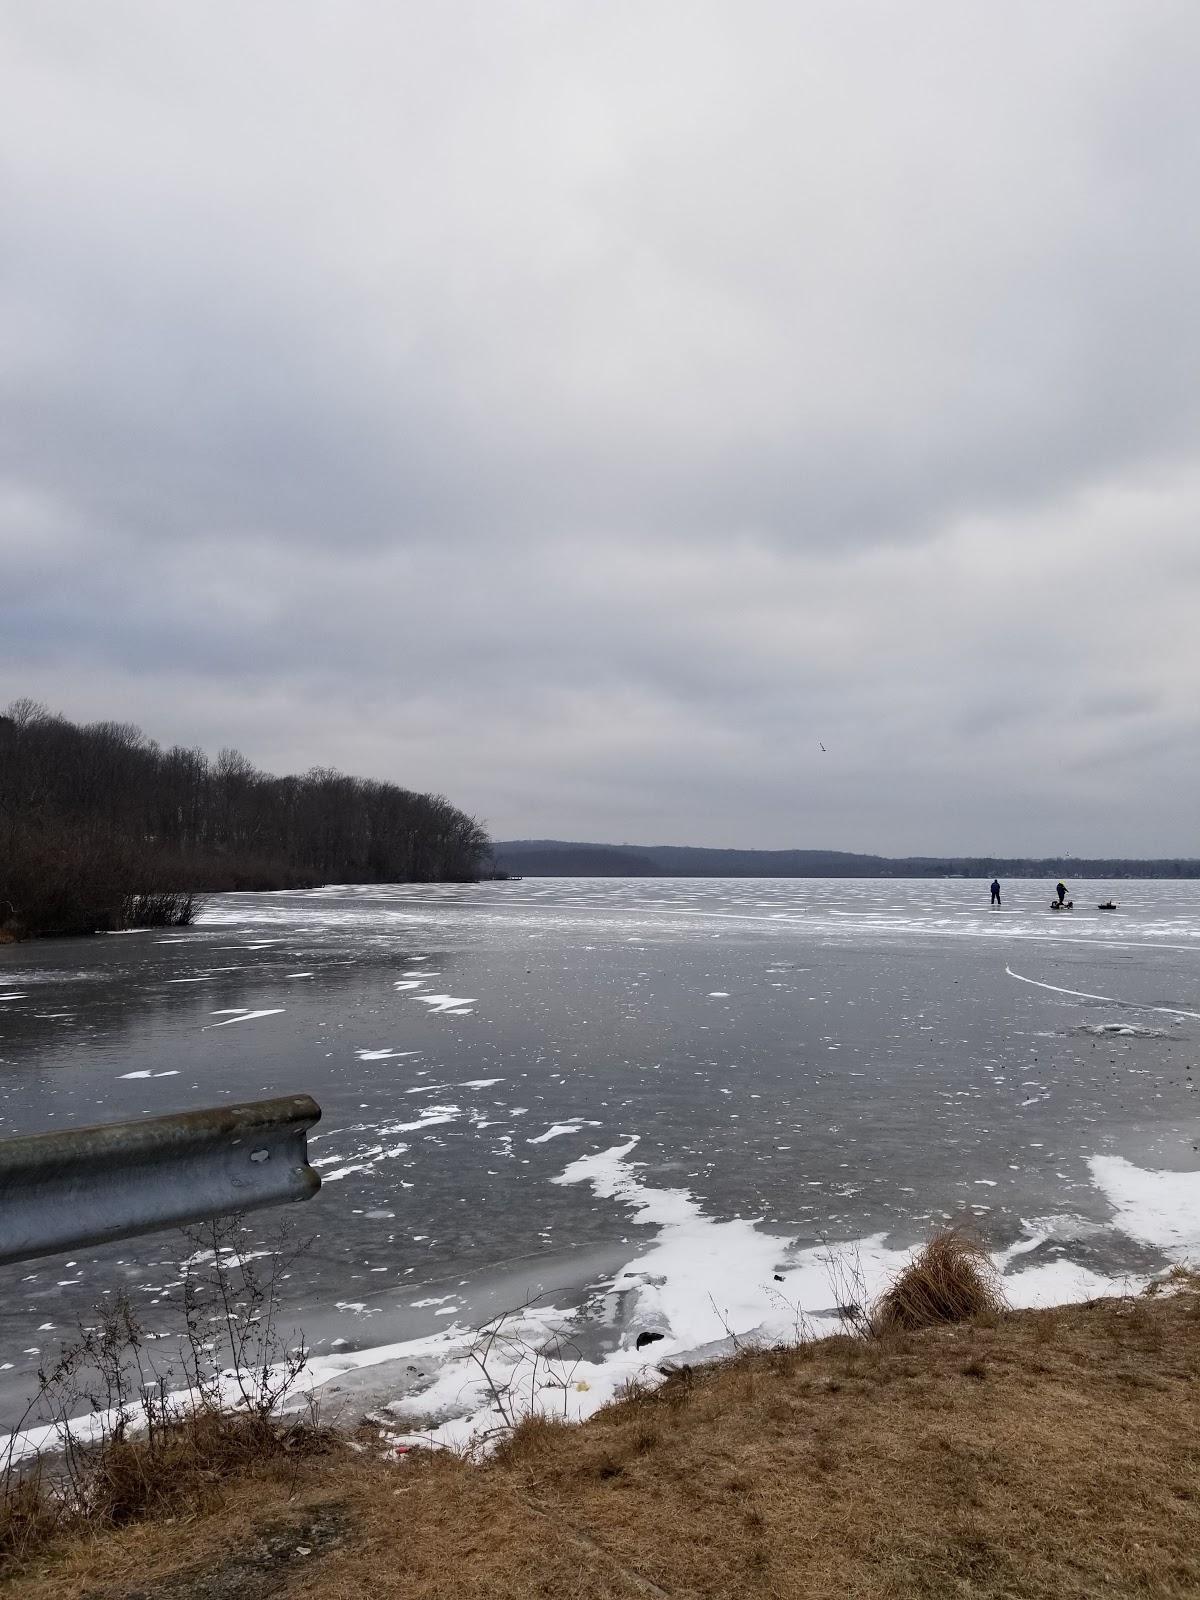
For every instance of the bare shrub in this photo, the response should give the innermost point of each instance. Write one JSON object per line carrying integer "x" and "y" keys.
{"x": 848, "y": 1284}
{"x": 139, "y": 1423}
{"x": 161, "y": 908}
{"x": 528, "y": 1372}
{"x": 951, "y": 1280}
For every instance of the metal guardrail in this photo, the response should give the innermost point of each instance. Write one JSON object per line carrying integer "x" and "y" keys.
{"x": 60, "y": 1191}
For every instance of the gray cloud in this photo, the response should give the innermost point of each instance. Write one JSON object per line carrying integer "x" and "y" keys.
{"x": 586, "y": 410}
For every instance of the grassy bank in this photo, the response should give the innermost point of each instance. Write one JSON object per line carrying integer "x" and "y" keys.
{"x": 1048, "y": 1453}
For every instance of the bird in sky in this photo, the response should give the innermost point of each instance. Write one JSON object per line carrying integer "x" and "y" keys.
{"x": 824, "y": 751}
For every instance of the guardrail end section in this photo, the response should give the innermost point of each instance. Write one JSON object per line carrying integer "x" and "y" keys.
{"x": 63, "y": 1190}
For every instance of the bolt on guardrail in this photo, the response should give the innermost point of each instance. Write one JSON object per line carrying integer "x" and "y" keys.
{"x": 63, "y": 1190}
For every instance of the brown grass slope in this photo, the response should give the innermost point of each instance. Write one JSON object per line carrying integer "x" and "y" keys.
{"x": 1047, "y": 1454}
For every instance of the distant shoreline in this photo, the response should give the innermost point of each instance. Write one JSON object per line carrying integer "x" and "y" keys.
{"x": 560, "y": 858}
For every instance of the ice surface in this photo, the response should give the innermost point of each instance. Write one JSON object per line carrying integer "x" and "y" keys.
{"x": 704, "y": 1284}
{"x": 872, "y": 1072}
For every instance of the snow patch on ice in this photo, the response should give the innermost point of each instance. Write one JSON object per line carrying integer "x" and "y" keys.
{"x": 243, "y": 1016}
{"x": 427, "y": 1119}
{"x": 1156, "y": 1208}
{"x": 447, "y": 1002}
{"x": 557, "y": 1129}
{"x": 362, "y": 1161}
{"x": 1054, "y": 1283}
{"x": 346, "y": 1163}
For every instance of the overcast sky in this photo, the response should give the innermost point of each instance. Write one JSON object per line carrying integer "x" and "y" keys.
{"x": 587, "y": 409}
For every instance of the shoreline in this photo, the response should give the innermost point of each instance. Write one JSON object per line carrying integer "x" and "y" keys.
{"x": 703, "y": 1287}
{"x": 1023, "y": 1453}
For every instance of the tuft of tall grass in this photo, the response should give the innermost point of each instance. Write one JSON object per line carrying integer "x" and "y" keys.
{"x": 952, "y": 1279}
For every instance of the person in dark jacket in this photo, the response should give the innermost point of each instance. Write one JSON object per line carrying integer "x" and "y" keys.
{"x": 995, "y": 891}
{"x": 1062, "y": 892}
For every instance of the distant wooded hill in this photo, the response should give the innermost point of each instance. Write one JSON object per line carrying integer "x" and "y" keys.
{"x": 559, "y": 858}
{"x": 100, "y": 826}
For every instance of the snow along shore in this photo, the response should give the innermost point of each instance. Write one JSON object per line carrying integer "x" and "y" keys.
{"x": 703, "y": 1285}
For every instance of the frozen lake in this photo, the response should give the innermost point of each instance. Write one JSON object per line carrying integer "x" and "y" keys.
{"x": 679, "y": 1087}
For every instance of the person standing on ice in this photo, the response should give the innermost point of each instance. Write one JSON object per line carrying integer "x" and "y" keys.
{"x": 1062, "y": 892}
{"x": 995, "y": 891}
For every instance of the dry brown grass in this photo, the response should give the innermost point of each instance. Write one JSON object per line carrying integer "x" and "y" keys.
{"x": 183, "y": 1468}
{"x": 1021, "y": 1455}
{"x": 192, "y": 1461}
{"x": 951, "y": 1279}
{"x": 29, "y": 1517}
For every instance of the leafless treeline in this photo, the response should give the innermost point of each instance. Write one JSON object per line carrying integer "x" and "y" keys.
{"x": 98, "y": 822}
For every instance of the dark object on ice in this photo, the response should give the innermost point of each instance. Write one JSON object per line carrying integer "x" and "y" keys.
{"x": 1107, "y": 905}
{"x": 1062, "y": 905}
{"x": 778, "y": 1276}
{"x": 1061, "y": 890}
{"x": 995, "y": 891}
{"x": 643, "y": 1339}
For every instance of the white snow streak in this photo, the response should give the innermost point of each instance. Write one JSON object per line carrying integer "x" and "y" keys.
{"x": 1080, "y": 994}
